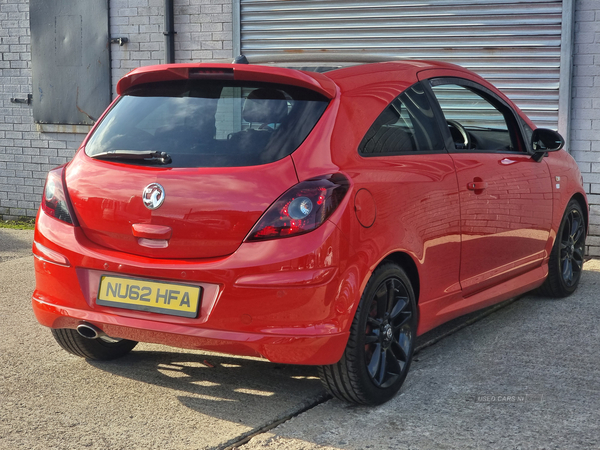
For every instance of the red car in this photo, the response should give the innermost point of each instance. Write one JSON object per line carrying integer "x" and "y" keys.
{"x": 308, "y": 218}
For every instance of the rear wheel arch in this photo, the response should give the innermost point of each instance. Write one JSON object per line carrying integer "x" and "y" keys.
{"x": 401, "y": 259}
{"x": 405, "y": 261}
{"x": 381, "y": 343}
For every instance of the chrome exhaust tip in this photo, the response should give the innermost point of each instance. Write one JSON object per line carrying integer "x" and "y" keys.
{"x": 89, "y": 331}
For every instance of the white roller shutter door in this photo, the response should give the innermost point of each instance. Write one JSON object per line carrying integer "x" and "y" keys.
{"x": 515, "y": 44}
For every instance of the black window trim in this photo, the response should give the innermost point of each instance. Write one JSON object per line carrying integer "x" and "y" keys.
{"x": 436, "y": 112}
{"x": 486, "y": 94}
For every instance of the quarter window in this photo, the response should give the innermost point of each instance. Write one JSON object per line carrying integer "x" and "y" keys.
{"x": 407, "y": 125}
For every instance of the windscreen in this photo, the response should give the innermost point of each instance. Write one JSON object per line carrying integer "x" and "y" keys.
{"x": 202, "y": 123}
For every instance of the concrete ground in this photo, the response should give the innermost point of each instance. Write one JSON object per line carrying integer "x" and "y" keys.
{"x": 15, "y": 243}
{"x": 525, "y": 376}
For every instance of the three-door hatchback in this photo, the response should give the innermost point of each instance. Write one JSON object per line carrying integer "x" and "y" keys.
{"x": 308, "y": 218}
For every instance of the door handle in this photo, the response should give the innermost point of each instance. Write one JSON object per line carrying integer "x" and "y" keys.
{"x": 477, "y": 185}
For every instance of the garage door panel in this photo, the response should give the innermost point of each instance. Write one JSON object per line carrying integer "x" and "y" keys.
{"x": 515, "y": 44}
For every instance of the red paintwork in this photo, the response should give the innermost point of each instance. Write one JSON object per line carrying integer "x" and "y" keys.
{"x": 292, "y": 300}
{"x": 504, "y": 227}
{"x": 108, "y": 201}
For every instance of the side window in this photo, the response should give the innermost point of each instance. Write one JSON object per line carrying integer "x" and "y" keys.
{"x": 476, "y": 121}
{"x": 407, "y": 125}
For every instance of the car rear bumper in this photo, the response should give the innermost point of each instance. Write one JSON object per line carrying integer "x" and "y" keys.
{"x": 287, "y": 349}
{"x": 289, "y": 300}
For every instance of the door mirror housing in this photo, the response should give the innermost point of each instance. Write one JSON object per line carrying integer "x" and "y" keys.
{"x": 545, "y": 140}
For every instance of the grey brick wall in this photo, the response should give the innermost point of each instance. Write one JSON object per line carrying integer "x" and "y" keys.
{"x": 25, "y": 154}
{"x": 203, "y": 32}
{"x": 585, "y": 118}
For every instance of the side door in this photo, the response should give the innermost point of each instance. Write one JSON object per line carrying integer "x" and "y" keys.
{"x": 505, "y": 195}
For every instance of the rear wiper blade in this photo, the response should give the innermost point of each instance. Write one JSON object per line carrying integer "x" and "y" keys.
{"x": 146, "y": 155}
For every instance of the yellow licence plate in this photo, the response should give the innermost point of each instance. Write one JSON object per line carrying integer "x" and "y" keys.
{"x": 154, "y": 296}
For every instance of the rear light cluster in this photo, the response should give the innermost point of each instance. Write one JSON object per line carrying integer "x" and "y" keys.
{"x": 54, "y": 202}
{"x": 302, "y": 208}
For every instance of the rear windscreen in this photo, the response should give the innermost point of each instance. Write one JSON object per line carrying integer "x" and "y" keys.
{"x": 213, "y": 123}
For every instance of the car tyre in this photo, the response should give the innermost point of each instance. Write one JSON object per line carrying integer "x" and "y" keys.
{"x": 566, "y": 259}
{"x": 102, "y": 348}
{"x": 381, "y": 343}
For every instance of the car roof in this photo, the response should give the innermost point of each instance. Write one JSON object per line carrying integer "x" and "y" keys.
{"x": 358, "y": 76}
{"x": 345, "y": 78}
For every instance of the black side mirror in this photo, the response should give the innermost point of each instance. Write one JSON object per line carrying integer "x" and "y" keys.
{"x": 544, "y": 140}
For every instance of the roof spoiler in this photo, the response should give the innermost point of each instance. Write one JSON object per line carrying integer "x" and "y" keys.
{"x": 240, "y": 72}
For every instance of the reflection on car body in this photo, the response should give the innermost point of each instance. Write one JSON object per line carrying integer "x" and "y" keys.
{"x": 308, "y": 218}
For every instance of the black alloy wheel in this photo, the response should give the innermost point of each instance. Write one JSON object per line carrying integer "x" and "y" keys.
{"x": 566, "y": 259}
{"x": 572, "y": 242}
{"x": 381, "y": 343}
{"x": 388, "y": 334}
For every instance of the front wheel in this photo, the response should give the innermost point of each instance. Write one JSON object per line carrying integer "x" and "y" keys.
{"x": 102, "y": 348}
{"x": 566, "y": 259}
{"x": 381, "y": 343}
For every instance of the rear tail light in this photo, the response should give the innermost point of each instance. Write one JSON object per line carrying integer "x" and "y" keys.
{"x": 302, "y": 208}
{"x": 55, "y": 200}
